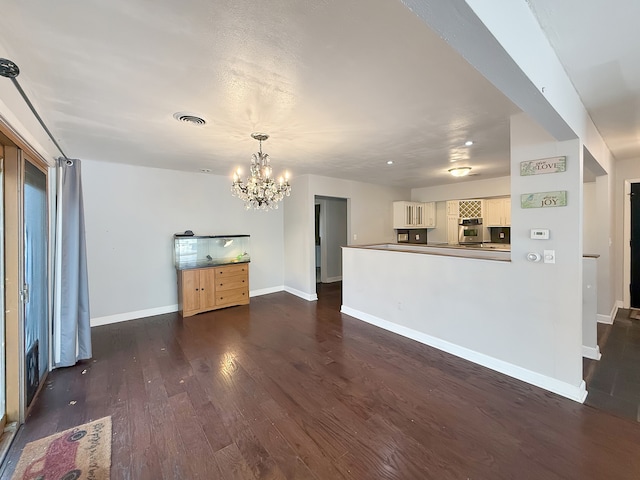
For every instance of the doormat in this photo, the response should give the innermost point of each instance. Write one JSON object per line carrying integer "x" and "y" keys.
{"x": 634, "y": 313}
{"x": 80, "y": 453}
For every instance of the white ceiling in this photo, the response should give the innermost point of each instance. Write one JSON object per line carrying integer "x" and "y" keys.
{"x": 342, "y": 86}
{"x": 598, "y": 42}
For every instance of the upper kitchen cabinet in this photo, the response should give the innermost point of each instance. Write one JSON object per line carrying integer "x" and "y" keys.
{"x": 414, "y": 215}
{"x": 453, "y": 208}
{"x": 430, "y": 214}
{"x": 497, "y": 212}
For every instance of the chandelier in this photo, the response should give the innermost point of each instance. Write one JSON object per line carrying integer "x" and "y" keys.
{"x": 260, "y": 191}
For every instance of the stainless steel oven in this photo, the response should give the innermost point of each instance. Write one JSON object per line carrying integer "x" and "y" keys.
{"x": 470, "y": 230}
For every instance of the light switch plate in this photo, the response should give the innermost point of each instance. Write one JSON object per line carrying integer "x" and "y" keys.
{"x": 549, "y": 256}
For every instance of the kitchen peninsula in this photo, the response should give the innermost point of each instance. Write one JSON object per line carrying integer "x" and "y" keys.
{"x": 459, "y": 299}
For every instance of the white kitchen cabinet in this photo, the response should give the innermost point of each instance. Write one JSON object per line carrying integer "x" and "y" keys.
{"x": 507, "y": 211}
{"x": 452, "y": 229}
{"x": 453, "y": 214}
{"x": 452, "y": 208}
{"x": 430, "y": 214}
{"x": 414, "y": 215}
{"x": 497, "y": 212}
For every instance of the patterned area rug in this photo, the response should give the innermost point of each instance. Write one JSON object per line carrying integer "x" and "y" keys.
{"x": 80, "y": 453}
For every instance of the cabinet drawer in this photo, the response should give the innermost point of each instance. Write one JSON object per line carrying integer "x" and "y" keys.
{"x": 230, "y": 270}
{"x": 237, "y": 296}
{"x": 231, "y": 283}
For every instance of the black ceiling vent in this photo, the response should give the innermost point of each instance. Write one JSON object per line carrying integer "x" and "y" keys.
{"x": 189, "y": 118}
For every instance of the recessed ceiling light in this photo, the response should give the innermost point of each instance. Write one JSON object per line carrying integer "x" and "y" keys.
{"x": 459, "y": 171}
{"x": 389, "y": 162}
{"x": 468, "y": 143}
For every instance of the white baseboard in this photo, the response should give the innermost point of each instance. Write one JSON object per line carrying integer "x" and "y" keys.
{"x": 334, "y": 279}
{"x": 150, "y": 312}
{"x": 123, "y": 317}
{"x": 265, "y": 291}
{"x": 301, "y": 294}
{"x": 577, "y": 393}
{"x": 591, "y": 352}
{"x": 608, "y": 319}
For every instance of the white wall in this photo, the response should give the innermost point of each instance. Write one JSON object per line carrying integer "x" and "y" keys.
{"x": 370, "y": 220}
{"x": 299, "y": 245}
{"x": 131, "y": 216}
{"x": 439, "y": 234}
{"x": 596, "y": 234}
{"x": 590, "y": 232}
{"x": 605, "y": 218}
{"x": 519, "y": 317}
{"x": 484, "y": 188}
{"x": 552, "y": 292}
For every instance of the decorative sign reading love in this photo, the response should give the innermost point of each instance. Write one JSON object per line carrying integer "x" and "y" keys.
{"x": 544, "y": 199}
{"x": 544, "y": 165}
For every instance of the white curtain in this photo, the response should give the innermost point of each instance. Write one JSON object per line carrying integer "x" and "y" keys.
{"x": 71, "y": 326}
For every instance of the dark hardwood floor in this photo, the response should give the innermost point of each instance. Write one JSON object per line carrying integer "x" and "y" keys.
{"x": 613, "y": 382}
{"x": 285, "y": 388}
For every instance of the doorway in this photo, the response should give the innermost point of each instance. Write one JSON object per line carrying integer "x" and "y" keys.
{"x": 330, "y": 237}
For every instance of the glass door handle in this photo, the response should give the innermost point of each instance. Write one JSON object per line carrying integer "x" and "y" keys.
{"x": 24, "y": 293}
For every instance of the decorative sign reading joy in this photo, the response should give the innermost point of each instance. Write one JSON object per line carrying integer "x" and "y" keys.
{"x": 544, "y": 199}
{"x": 544, "y": 165}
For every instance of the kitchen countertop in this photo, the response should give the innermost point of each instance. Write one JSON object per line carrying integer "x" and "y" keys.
{"x": 486, "y": 251}
{"x": 443, "y": 249}
{"x": 500, "y": 247}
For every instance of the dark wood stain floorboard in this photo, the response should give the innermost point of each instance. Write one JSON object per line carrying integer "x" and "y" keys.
{"x": 288, "y": 389}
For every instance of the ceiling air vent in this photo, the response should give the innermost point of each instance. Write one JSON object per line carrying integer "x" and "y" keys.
{"x": 189, "y": 118}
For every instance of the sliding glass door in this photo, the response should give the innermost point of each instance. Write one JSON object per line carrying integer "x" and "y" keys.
{"x": 34, "y": 294}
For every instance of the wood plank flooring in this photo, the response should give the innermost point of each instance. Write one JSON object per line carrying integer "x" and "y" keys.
{"x": 285, "y": 388}
{"x": 614, "y": 381}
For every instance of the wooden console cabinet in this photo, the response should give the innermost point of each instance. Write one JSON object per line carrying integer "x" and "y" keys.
{"x": 210, "y": 288}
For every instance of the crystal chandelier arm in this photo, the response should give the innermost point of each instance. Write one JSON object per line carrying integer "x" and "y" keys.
{"x": 260, "y": 191}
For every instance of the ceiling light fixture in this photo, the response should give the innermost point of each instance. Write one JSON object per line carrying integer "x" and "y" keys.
{"x": 468, "y": 143}
{"x": 260, "y": 191}
{"x": 389, "y": 162}
{"x": 459, "y": 171}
